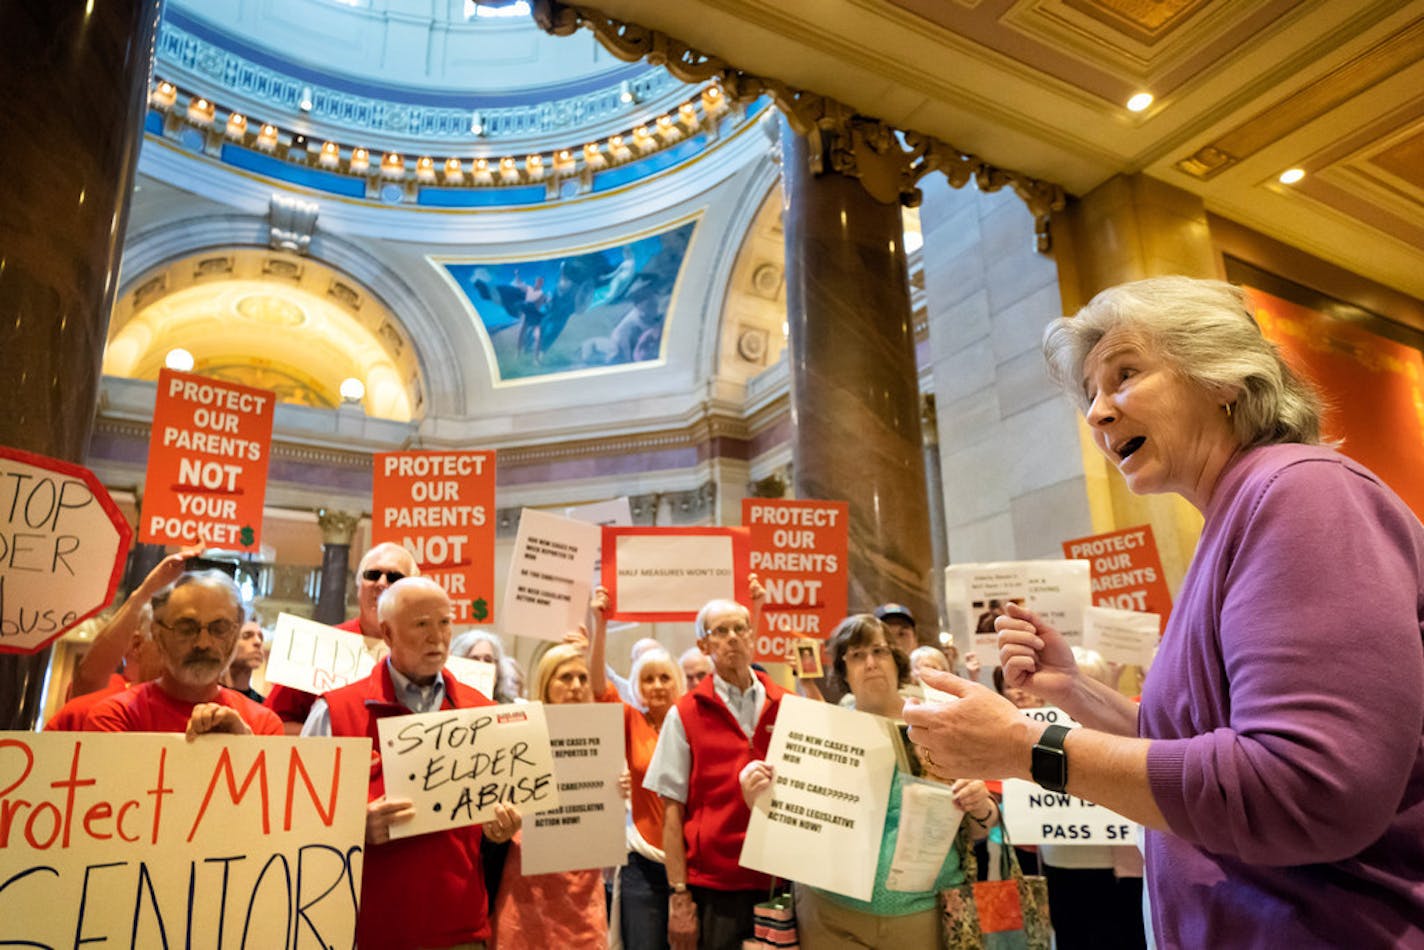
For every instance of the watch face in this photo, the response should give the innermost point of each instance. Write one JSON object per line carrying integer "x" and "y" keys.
{"x": 1050, "y": 761}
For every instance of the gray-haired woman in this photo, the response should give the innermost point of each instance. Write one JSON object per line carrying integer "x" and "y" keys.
{"x": 1277, "y": 758}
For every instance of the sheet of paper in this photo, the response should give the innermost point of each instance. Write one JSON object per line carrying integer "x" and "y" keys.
{"x": 457, "y": 764}
{"x": 929, "y": 820}
{"x": 673, "y": 573}
{"x": 476, "y": 674}
{"x": 148, "y": 840}
{"x": 833, "y": 770}
{"x": 1122, "y": 636}
{"x": 1035, "y": 815}
{"x": 546, "y": 593}
{"x": 1058, "y": 591}
{"x": 315, "y": 658}
{"x": 587, "y": 829}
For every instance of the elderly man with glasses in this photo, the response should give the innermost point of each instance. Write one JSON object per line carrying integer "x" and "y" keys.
{"x": 706, "y": 739}
{"x": 381, "y": 567}
{"x": 195, "y": 626}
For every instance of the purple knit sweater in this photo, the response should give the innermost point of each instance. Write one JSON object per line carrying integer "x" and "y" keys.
{"x": 1287, "y": 708}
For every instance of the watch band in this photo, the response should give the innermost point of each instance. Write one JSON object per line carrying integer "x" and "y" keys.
{"x": 679, "y": 888}
{"x": 1050, "y": 759}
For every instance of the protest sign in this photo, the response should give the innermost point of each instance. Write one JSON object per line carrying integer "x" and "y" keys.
{"x": 440, "y": 507}
{"x": 1122, "y": 636}
{"x": 148, "y": 840}
{"x": 587, "y": 829}
{"x": 476, "y": 674}
{"x": 1035, "y": 815}
{"x": 833, "y": 770}
{"x": 616, "y": 512}
{"x": 669, "y": 573}
{"x": 315, "y": 658}
{"x": 1126, "y": 570}
{"x": 457, "y": 764}
{"x": 207, "y": 463}
{"x": 929, "y": 820}
{"x": 63, "y": 543}
{"x": 1056, "y": 590}
{"x": 798, "y": 551}
{"x": 546, "y": 592}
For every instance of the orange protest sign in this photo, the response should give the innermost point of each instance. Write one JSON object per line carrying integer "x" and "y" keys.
{"x": 207, "y": 463}
{"x": 440, "y": 507}
{"x": 798, "y": 552}
{"x": 1126, "y": 570}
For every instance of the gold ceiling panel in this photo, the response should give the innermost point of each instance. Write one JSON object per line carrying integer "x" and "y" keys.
{"x": 1147, "y": 21}
{"x": 1405, "y": 160}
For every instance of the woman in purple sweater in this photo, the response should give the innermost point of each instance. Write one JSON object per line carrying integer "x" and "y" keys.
{"x": 1277, "y": 760}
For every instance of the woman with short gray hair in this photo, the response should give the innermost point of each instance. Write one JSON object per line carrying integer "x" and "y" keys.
{"x": 1276, "y": 759}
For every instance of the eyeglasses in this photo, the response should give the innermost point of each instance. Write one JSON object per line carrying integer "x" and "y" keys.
{"x": 729, "y": 630}
{"x": 188, "y": 629}
{"x": 860, "y": 654}
{"x": 373, "y": 575}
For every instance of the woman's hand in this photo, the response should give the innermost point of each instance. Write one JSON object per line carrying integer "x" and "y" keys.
{"x": 972, "y": 666}
{"x": 973, "y": 798}
{"x": 1035, "y": 657}
{"x": 215, "y": 717}
{"x": 625, "y": 783}
{"x": 578, "y": 638}
{"x": 756, "y": 779}
{"x": 978, "y": 733}
{"x": 504, "y": 824}
{"x": 384, "y": 812}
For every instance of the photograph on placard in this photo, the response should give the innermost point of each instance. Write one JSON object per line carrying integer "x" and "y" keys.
{"x": 808, "y": 658}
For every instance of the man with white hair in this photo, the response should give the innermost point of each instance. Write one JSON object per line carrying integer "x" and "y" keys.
{"x": 380, "y": 567}
{"x": 426, "y": 890}
{"x": 705, "y": 741}
{"x": 695, "y": 666}
{"x": 195, "y": 626}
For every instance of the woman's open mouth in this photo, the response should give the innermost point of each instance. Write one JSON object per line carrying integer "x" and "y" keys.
{"x": 1125, "y": 449}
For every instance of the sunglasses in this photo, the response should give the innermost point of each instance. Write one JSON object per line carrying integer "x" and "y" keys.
{"x": 374, "y": 575}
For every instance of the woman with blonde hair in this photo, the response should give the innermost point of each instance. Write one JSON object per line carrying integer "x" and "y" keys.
{"x": 565, "y": 909}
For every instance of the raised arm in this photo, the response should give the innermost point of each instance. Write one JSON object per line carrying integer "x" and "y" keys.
{"x": 113, "y": 641}
{"x": 598, "y": 641}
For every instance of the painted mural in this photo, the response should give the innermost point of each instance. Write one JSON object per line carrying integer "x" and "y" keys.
{"x": 579, "y": 311}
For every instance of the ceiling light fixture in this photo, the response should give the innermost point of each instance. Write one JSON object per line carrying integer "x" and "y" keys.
{"x": 306, "y": 101}
{"x": 1291, "y": 175}
{"x": 1139, "y": 102}
{"x": 352, "y": 389}
{"x": 179, "y": 359}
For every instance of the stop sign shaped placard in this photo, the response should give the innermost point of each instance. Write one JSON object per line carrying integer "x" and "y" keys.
{"x": 63, "y": 542}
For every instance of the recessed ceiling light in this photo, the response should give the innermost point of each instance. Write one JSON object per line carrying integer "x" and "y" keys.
{"x": 179, "y": 359}
{"x": 1139, "y": 102}
{"x": 352, "y": 389}
{"x": 1292, "y": 175}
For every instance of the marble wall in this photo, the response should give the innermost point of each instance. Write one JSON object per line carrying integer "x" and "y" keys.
{"x": 1009, "y": 445}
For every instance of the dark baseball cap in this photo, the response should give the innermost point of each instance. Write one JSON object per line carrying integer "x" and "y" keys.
{"x": 895, "y": 612}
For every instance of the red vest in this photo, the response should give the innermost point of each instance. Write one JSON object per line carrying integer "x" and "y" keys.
{"x": 715, "y": 817}
{"x": 425, "y": 891}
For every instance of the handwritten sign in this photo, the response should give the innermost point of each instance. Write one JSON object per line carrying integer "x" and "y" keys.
{"x": 587, "y": 829}
{"x": 315, "y": 658}
{"x": 440, "y": 507}
{"x": 669, "y": 573}
{"x": 1057, "y": 590}
{"x": 615, "y": 511}
{"x": 798, "y": 551}
{"x": 207, "y": 463}
{"x": 457, "y": 764}
{"x": 476, "y": 674}
{"x": 63, "y": 543}
{"x": 1127, "y": 570}
{"x": 547, "y": 589}
{"x": 1035, "y": 815}
{"x": 1122, "y": 636}
{"x": 833, "y": 770}
{"x": 150, "y": 841}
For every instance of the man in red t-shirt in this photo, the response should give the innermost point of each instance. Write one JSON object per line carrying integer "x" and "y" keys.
{"x": 195, "y": 625}
{"x": 142, "y": 663}
{"x": 381, "y": 567}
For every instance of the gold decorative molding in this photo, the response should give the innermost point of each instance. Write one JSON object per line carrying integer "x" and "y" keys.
{"x": 840, "y": 139}
{"x": 337, "y": 527}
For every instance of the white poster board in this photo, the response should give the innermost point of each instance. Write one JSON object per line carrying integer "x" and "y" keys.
{"x": 457, "y": 764}
{"x": 1122, "y": 636}
{"x": 587, "y": 829}
{"x": 1058, "y": 591}
{"x": 147, "y": 840}
{"x": 833, "y": 769}
{"x": 476, "y": 674}
{"x": 315, "y": 658}
{"x": 546, "y": 590}
{"x": 673, "y": 573}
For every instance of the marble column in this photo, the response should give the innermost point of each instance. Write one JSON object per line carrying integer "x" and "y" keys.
{"x": 855, "y": 399}
{"x": 337, "y": 529}
{"x": 939, "y": 533}
{"x": 75, "y": 75}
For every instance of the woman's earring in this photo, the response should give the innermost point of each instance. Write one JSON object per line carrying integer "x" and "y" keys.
{"x": 1227, "y": 407}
